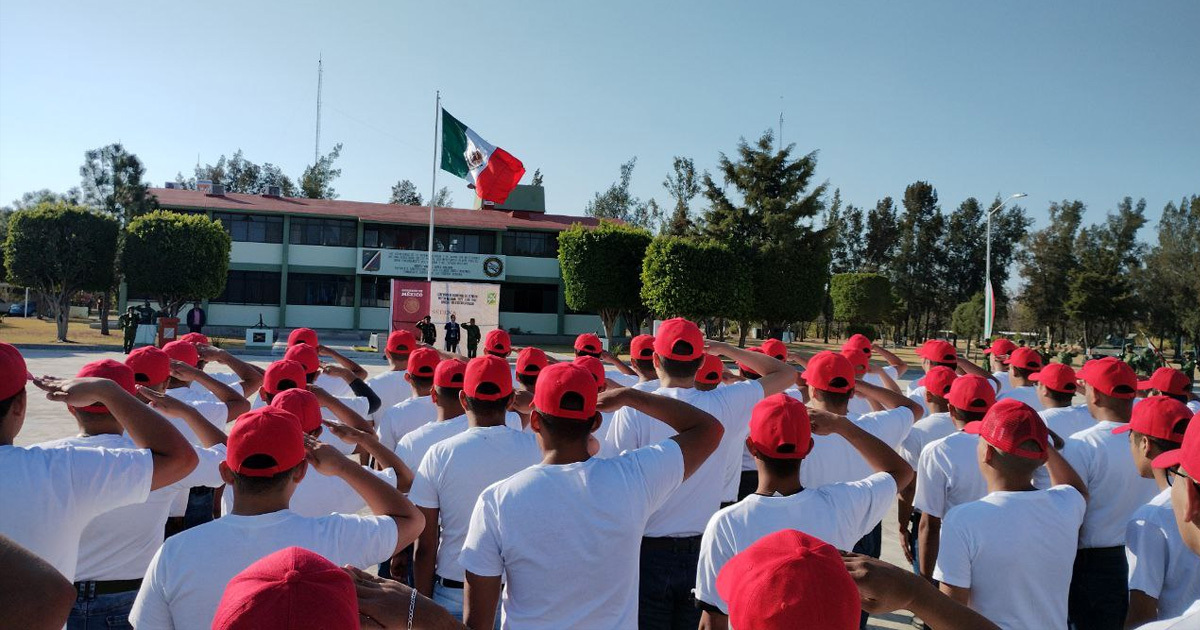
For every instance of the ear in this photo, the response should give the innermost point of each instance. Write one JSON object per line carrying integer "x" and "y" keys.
{"x": 750, "y": 447}
{"x": 433, "y": 395}
{"x": 462, "y": 398}
{"x": 226, "y": 473}
{"x": 408, "y": 377}
{"x": 597, "y": 420}
{"x": 535, "y": 421}
{"x": 300, "y": 471}
{"x": 1193, "y": 501}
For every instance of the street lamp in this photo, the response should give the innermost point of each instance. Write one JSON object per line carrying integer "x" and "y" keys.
{"x": 989, "y": 300}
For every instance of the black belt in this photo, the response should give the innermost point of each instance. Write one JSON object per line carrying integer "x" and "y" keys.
{"x": 107, "y": 587}
{"x": 685, "y": 544}
{"x": 437, "y": 579}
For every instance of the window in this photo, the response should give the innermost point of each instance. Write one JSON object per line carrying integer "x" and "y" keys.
{"x": 251, "y": 228}
{"x": 251, "y": 287}
{"x": 318, "y": 289}
{"x": 529, "y": 298}
{"x": 535, "y": 244}
{"x": 417, "y": 238}
{"x": 376, "y": 291}
{"x": 328, "y": 232}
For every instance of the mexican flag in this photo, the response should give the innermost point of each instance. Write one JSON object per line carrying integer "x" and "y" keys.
{"x": 493, "y": 171}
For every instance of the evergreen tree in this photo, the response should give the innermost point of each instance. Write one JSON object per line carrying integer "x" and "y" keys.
{"x": 317, "y": 180}
{"x": 882, "y": 237}
{"x": 683, "y": 185}
{"x": 921, "y": 258}
{"x": 405, "y": 193}
{"x": 1109, "y": 254}
{"x": 617, "y": 202}
{"x": 1049, "y": 263}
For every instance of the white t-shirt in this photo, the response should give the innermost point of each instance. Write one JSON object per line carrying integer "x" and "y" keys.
{"x": 1194, "y": 406}
{"x": 568, "y": 538}
{"x": 1160, "y": 564}
{"x": 412, "y": 447}
{"x": 195, "y": 391}
{"x": 689, "y": 508}
{"x": 455, "y": 472}
{"x": 1015, "y": 551}
{"x": 932, "y": 427}
{"x": 50, "y": 494}
{"x": 188, "y": 575}
{"x": 335, "y": 385}
{"x": 357, "y": 404}
{"x": 647, "y": 386}
{"x": 391, "y": 388}
{"x": 1105, "y": 464}
{"x": 916, "y": 393}
{"x": 215, "y": 412}
{"x": 319, "y": 495}
{"x": 1005, "y": 382}
{"x": 834, "y": 460}
{"x": 119, "y": 544}
{"x": 1189, "y": 620}
{"x": 624, "y": 380}
{"x": 1067, "y": 421}
{"x": 948, "y": 474}
{"x": 1026, "y": 394}
{"x": 859, "y": 405}
{"x": 404, "y": 417}
{"x": 840, "y": 514}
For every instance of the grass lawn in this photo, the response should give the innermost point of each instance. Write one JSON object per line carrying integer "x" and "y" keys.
{"x": 21, "y": 330}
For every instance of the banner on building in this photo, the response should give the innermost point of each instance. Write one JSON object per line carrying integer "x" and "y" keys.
{"x": 412, "y": 300}
{"x": 446, "y": 265}
{"x": 410, "y": 304}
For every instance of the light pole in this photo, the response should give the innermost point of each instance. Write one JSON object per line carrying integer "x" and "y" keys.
{"x": 989, "y": 306}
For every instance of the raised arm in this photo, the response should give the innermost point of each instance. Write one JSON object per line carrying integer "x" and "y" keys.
{"x": 900, "y": 364}
{"x": 357, "y": 385}
{"x": 968, "y": 367}
{"x": 1061, "y": 473}
{"x": 235, "y": 403}
{"x": 616, "y": 362}
{"x": 369, "y": 442}
{"x": 799, "y": 358}
{"x": 252, "y": 377}
{"x": 357, "y": 369}
{"x": 699, "y": 433}
{"x": 879, "y": 456}
{"x": 888, "y": 398}
{"x": 776, "y": 375}
{"x": 208, "y": 434}
{"x": 885, "y": 378}
{"x": 885, "y": 588}
{"x": 340, "y": 410}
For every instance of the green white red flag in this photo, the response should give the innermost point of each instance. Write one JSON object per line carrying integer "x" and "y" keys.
{"x": 493, "y": 171}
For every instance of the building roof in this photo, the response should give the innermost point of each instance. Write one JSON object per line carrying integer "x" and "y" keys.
{"x": 366, "y": 211}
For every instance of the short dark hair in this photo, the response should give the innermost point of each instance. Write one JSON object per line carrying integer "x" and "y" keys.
{"x": 681, "y": 369}
{"x": 836, "y": 398}
{"x": 1062, "y": 398}
{"x": 528, "y": 380}
{"x": 780, "y": 467}
{"x": 585, "y": 353}
{"x": 246, "y": 484}
{"x": 953, "y": 365}
{"x": 424, "y": 382}
{"x": 644, "y": 365}
{"x": 399, "y": 356}
{"x": 1015, "y": 463}
{"x": 1182, "y": 399}
{"x": 487, "y": 407}
{"x": 566, "y": 429}
{"x": 938, "y": 400}
{"x": 7, "y": 403}
{"x": 1020, "y": 372}
{"x": 447, "y": 393}
{"x": 1159, "y": 443}
{"x": 963, "y": 415}
{"x": 93, "y": 416}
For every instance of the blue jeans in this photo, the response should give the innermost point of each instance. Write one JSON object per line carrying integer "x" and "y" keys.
{"x": 199, "y": 507}
{"x": 101, "y": 612}
{"x": 1099, "y": 595}
{"x": 666, "y": 580}
{"x": 452, "y": 600}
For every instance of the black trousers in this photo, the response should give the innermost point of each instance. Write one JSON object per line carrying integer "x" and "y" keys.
{"x": 1099, "y": 597}
{"x": 748, "y": 484}
{"x": 472, "y": 349}
{"x": 869, "y": 545}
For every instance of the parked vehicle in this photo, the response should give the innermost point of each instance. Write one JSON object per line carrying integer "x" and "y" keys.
{"x": 15, "y": 309}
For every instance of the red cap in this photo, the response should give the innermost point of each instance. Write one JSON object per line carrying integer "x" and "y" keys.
{"x": 594, "y": 367}
{"x": 195, "y": 338}
{"x": 858, "y": 360}
{"x": 775, "y": 349}
{"x": 1001, "y": 347}
{"x": 789, "y": 580}
{"x": 291, "y": 589}
{"x": 305, "y": 355}
{"x": 450, "y": 374}
{"x": 114, "y": 371}
{"x": 300, "y": 403}
{"x": 1158, "y": 417}
{"x": 1008, "y": 425}
{"x": 1188, "y": 455}
{"x": 1056, "y": 376}
{"x": 150, "y": 365}
{"x": 971, "y": 393}
{"x": 587, "y": 342}
{"x": 401, "y": 342}
{"x": 748, "y": 372}
{"x": 938, "y": 351}
{"x": 497, "y": 341}
{"x": 831, "y": 372}
{"x": 269, "y": 431}
{"x": 303, "y": 335}
{"x": 1168, "y": 381}
{"x": 13, "y": 371}
{"x": 1111, "y": 376}
{"x": 780, "y": 428}
{"x": 1025, "y": 359}
{"x": 679, "y": 339}
{"x": 566, "y": 390}
{"x": 710, "y": 371}
{"x": 858, "y": 343}
{"x": 492, "y": 371}
{"x": 939, "y": 380}
{"x": 184, "y": 351}
{"x": 531, "y": 361}
{"x": 641, "y": 348}
{"x": 422, "y": 363}
{"x": 280, "y": 371}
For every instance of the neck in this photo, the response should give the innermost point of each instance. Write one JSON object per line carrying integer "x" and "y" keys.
{"x": 253, "y": 505}
{"x": 476, "y": 420}
{"x": 1018, "y": 381}
{"x": 1003, "y": 483}
{"x": 830, "y": 407}
{"x": 423, "y": 393}
{"x": 685, "y": 382}
{"x": 449, "y": 412}
{"x": 101, "y": 428}
{"x": 768, "y": 485}
{"x": 561, "y": 454}
{"x": 1160, "y": 478}
{"x": 938, "y": 408}
{"x": 1110, "y": 414}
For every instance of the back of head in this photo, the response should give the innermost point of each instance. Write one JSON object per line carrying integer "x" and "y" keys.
{"x": 151, "y": 366}
{"x": 1059, "y": 381}
{"x": 487, "y": 387}
{"x": 282, "y": 375}
{"x": 970, "y": 397}
{"x": 300, "y": 403}
{"x": 183, "y": 351}
{"x": 679, "y": 345}
{"x": 595, "y": 368}
{"x": 422, "y": 364}
{"x": 565, "y": 401}
{"x": 831, "y": 376}
{"x": 1017, "y": 435}
{"x": 780, "y": 434}
{"x": 264, "y": 447}
{"x": 291, "y": 589}
{"x": 303, "y": 335}
{"x": 400, "y": 344}
{"x": 114, "y": 371}
{"x": 14, "y": 374}
{"x": 588, "y": 345}
{"x": 939, "y": 352}
{"x": 530, "y": 363}
{"x": 1112, "y": 385}
{"x": 497, "y": 342}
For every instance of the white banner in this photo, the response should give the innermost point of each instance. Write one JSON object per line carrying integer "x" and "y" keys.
{"x": 446, "y": 265}
{"x": 465, "y": 300}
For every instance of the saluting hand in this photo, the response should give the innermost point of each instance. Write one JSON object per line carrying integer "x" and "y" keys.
{"x": 76, "y": 392}
{"x": 184, "y": 372}
{"x": 612, "y": 399}
{"x": 163, "y": 403}
{"x": 882, "y": 586}
{"x": 324, "y": 458}
{"x": 347, "y": 433}
{"x": 825, "y": 423}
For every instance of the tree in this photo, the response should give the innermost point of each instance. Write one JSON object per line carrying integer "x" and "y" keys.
{"x": 1171, "y": 283}
{"x": 239, "y": 175}
{"x": 967, "y": 320}
{"x": 537, "y": 177}
{"x": 601, "y": 269}
{"x": 1048, "y": 264}
{"x": 58, "y": 250}
{"x": 442, "y": 199}
{"x": 678, "y": 279}
{"x": 405, "y": 193}
{"x": 1109, "y": 255}
{"x": 683, "y": 185}
{"x": 618, "y": 203}
{"x": 920, "y": 259}
{"x": 861, "y": 298}
{"x": 882, "y": 237}
{"x": 844, "y": 229}
{"x": 179, "y": 258}
{"x": 317, "y": 180}
{"x": 37, "y": 197}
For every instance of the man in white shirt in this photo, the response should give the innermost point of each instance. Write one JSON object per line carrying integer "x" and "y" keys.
{"x": 859, "y": 349}
{"x": 935, "y": 426}
{"x": 1167, "y": 381}
{"x": 709, "y": 376}
{"x": 338, "y": 380}
{"x": 116, "y": 547}
{"x": 948, "y": 470}
{"x": 593, "y": 510}
{"x": 936, "y": 352}
{"x": 1009, "y": 554}
{"x": 1099, "y": 583}
{"x": 1023, "y": 363}
{"x": 268, "y": 456}
{"x": 641, "y": 360}
{"x": 397, "y": 421}
{"x": 391, "y": 386}
{"x": 1056, "y": 387}
{"x": 334, "y": 384}
{"x": 998, "y": 354}
{"x": 671, "y": 544}
{"x": 455, "y": 471}
{"x": 530, "y": 363}
{"x": 1164, "y": 577}
{"x": 498, "y": 343}
{"x": 245, "y": 378}
{"x": 1182, "y": 468}
{"x": 50, "y": 495}
{"x": 780, "y": 438}
{"x": 449, "y": 415}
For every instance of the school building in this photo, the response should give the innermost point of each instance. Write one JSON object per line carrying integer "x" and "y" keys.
{"x": 300, "y": 262}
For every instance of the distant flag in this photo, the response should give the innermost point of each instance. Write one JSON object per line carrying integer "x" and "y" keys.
{"x": 989, "y": 309}
{"x": 492, "y": 171}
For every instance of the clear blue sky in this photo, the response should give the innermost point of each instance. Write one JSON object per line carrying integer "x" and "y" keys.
{"x": 1090, "y": 100}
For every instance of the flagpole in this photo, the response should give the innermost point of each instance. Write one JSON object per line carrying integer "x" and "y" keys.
{"x": 437, "y": 116}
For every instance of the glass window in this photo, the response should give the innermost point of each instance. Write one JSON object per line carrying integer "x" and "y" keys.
{"x": 251, "y": 228}
{"x": 529, "y": 298}
{"x": 534, "y": 244}
{"x": 251, "y": 287}
{"x": 417, "y": 238}
{"x": 376, "y": 291}
{"x": 327, "y": 232}
{"x": 318, "y": 289}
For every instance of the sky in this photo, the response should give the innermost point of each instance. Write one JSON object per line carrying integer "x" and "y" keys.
{"x": 1087, "y": 100}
